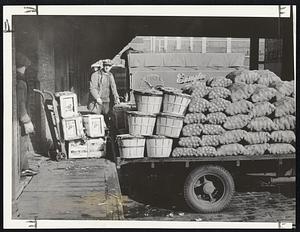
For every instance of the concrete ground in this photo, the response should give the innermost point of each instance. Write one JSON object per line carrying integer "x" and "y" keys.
{"x": 72, "y": 189}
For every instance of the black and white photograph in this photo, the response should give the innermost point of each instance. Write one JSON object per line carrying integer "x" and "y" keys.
{"x": 157, "y": 116}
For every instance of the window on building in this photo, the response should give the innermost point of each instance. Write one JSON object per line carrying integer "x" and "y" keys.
{"x": 169, "y": 44}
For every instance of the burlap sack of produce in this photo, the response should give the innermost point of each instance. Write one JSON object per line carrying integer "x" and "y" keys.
{"x": 239, "y": 107}
{"x": 231, "y": 149}
{"x": 216, "y": 118}
{"x": 281, "y": 148}
{"x": 218, "y": 105}
{"x": 210, "y": 140}
{"x": 257, "y": 137}
{"x": 287, "y": 122}
{"x": 183, "y": 151}
{"x": 241, "y": 91}
{"x": 191, "y": 87}
{"x": 192, "y": 129}
{"x": 198, "y": 105}
{"x": 192, "y": 141}
{"x": 286, "y": 136}
{"x": 262, "y": 124}
{"x": 206, "y": 151}
{"x": 218, "y": 92}
{"x": 266, "y": 77}
{"x": 200, "y": 92}
{"x": 219, "y": 82}
{"x": 243, "y": 76}
{"x": 234, "y": 136}
{"x": 191, "y": 118}
{"x": 262, "y": 109}
{"x": 286, "y": 88}
{"x": 263, "y": 93}
{"x": 236, "y": 122}
{"x": 285, "y": 106}
{"x": 256, "y": 149}
{"x": 209, "y": 129}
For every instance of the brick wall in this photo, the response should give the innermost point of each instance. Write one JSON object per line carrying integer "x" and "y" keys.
{"x": 45, "y": 77}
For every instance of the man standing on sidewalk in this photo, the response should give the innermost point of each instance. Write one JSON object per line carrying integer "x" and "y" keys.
{"x": 102, "y": 84}
{"x": 26, "y": 126}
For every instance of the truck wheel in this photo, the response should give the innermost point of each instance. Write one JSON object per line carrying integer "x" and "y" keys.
{"x": 208, "y": 189}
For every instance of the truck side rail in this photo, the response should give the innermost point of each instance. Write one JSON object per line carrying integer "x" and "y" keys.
{"x": 187, "y": 160}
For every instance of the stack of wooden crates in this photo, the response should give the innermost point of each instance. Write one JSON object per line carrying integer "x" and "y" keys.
{"x": 84, "y": 134}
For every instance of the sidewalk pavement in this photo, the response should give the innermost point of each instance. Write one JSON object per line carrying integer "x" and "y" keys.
{"x": 72, "y": 189}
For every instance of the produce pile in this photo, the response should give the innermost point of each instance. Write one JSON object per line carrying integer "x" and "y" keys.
{"x": 244, "y": 113}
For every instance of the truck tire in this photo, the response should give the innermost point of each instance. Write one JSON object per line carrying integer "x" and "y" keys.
{"x": 208, "y": 189}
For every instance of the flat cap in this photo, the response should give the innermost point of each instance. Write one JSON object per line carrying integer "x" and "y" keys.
{"x": 107, "y": 62}
{"x": 22, "y": 60}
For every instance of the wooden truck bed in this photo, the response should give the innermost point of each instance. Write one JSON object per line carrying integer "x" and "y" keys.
{"x": 187, "y": 160}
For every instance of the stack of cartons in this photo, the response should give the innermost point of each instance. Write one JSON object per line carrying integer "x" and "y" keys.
{"x": 84, "y": 135}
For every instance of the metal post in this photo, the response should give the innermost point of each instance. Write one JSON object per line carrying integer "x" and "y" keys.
{"x": 254, "y": 49}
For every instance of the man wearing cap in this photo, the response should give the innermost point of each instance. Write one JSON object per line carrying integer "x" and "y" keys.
{"x": 102, "y": 84}
{"x": 26, "y": 126}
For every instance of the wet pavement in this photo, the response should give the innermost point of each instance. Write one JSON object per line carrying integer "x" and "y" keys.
{"x": 244, "y": 207}
{"x": 251, "y": 203}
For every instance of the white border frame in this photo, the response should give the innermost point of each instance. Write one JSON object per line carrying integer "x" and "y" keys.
{"x": 105, "y": 10}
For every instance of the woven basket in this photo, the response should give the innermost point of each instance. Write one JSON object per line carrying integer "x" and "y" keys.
{"x": 148, "y": 102}
{"x": 140, "y": 123}
{"x": 131, "y": 147}
{"x": 169, "y": 125}
{"x": 158, "y": 146}
{"x": 175, "y": 103}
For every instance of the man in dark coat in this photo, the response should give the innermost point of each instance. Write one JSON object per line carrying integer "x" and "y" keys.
{"x": 26, "y": 126}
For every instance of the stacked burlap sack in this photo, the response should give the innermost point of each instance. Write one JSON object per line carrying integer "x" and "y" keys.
{"x": 244, "y": 113}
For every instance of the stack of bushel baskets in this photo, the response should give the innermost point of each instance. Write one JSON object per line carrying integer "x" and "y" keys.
{"x": 248, "y": 113}
{"x": 84, "y": 135}
{"x": 158, "y": 119}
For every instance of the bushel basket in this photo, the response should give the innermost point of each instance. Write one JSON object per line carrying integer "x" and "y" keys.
{"x": 158, "y": 146}
{"x": 140, "y": 123}
{"x": 175, "y": 103}
{"x": 131, "y": 147}
{"x": 169, "y": 125}
{"x": 148, "y": 101}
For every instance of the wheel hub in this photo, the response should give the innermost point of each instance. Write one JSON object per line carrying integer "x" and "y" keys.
{"x": 209, "y": 187}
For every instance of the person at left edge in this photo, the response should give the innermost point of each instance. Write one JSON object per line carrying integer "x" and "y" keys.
{"x": 26, "y": 126}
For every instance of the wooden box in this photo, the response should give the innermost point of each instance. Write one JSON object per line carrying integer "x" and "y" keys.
{"x": 92, "y": 148}
{"x": 94, "y": 125}
{"x": 120, "y": 116}
{"x": 72, "y": 128}
{"x": 67, "y": 104}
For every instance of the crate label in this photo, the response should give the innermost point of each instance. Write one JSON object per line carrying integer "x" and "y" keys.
{"x": 68, "y": 105}
{"x": 71, "y": 128}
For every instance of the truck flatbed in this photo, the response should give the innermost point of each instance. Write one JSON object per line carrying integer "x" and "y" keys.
{"x": 238, "y": 158}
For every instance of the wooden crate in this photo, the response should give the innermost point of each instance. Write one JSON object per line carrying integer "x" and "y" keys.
{"x": 92, "y": 148}
{"x": 94, "y": 125}
{"x": 96, "y": 148}
{"x": 72, "y": 128}
{"x": 120, "y": 116}
{"x": 77, "y": 150}
{"x": 67, "y": 104}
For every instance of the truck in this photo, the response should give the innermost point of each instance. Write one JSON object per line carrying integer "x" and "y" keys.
{"x": 207, "y": 183}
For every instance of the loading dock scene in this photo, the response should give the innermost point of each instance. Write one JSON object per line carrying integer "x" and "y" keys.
{"x": 200, "y": 120}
